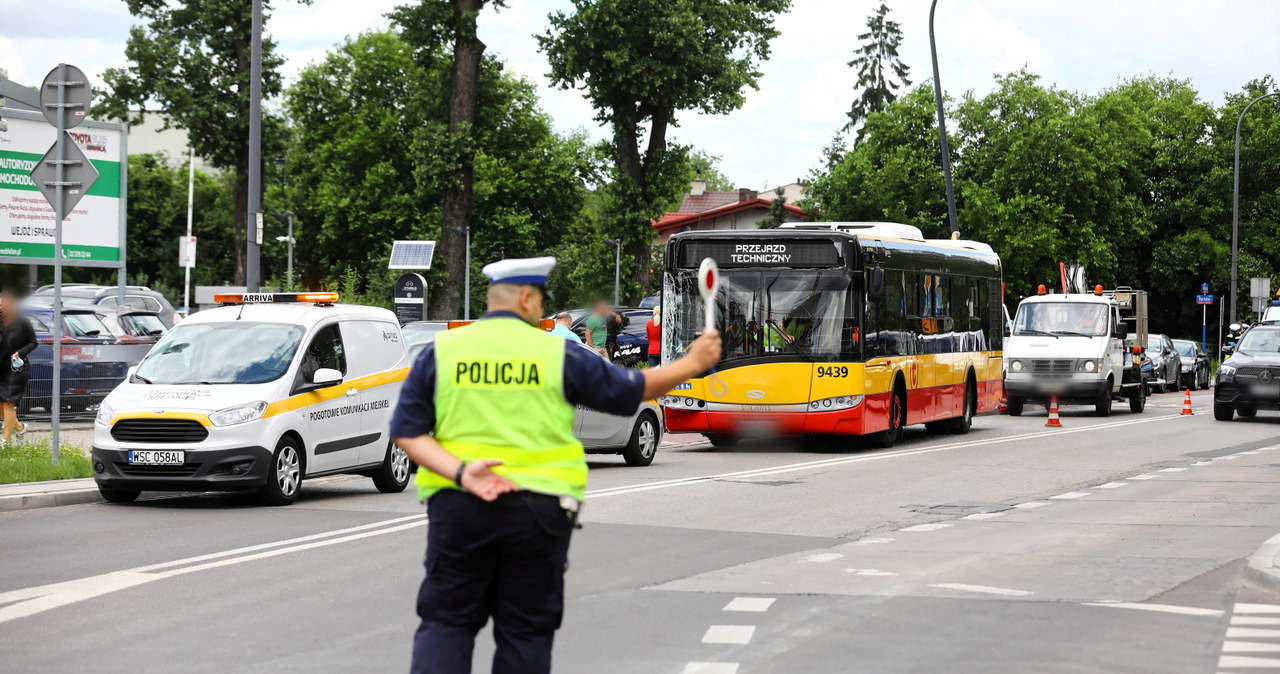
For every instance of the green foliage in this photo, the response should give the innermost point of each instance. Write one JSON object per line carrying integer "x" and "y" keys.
{"x": 881, "y": 73}
{"x": 32, "y": 461}
{"x": 777, "y": 213}
{"x": 707, "y": 166}
{"x": 639, "y": 63}
{"x": 1134, "y": 182}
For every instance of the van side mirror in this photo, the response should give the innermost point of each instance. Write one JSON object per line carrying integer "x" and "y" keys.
{"x": 875, "y": 284}
{"x": 326, "y": 377}
{"x": 1121, "y": 331}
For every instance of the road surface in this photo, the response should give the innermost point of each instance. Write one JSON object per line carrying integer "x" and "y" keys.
{"x": 1110, "y": 545}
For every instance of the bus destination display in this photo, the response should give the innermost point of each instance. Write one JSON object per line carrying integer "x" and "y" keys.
{"x": 762, "y": 253}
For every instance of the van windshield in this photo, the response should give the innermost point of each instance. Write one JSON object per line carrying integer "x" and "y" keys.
{"x": 221, "y": 353}
{"x": 1061, "y": 318}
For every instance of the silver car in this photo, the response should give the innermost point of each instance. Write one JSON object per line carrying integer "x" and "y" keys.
{"x": 635, "y": 437}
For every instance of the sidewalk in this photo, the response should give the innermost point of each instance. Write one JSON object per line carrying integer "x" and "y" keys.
{"x": 1264, "y": 565}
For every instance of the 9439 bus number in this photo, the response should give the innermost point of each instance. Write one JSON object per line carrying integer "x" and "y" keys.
{"x": 833, "y": 371}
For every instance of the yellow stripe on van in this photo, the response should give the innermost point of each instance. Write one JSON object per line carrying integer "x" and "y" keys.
{"x": 202, "y": 419}
{"x": 337, "y": 391}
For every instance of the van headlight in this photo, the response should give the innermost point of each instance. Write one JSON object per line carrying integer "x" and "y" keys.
{"x": 1016, "y": 366}
{"x": 238, "y": 414}
{"x": 105, "y": 414}
{"x": 1088, "y": 366}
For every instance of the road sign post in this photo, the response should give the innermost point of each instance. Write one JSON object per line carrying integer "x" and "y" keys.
{"x": 1204, "y": 299}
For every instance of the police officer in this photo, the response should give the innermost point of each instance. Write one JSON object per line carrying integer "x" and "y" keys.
{"x": 487, "y": 413}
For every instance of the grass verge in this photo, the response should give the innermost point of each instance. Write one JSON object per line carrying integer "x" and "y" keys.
{"x": 33, "y": 462}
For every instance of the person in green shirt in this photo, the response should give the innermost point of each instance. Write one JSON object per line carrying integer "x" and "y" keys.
{"x": 598, "y": 328}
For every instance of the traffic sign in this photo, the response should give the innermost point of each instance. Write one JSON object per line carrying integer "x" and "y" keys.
{"x": 1204, "y": 299}
{"x": 1259, "y": 286}
{"x": 76, "y": 95}
{"x": 78, "y": 175}
{"x": 1204, "y": 288}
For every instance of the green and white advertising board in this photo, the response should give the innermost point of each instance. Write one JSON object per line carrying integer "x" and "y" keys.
{"x": 92, "y": 233}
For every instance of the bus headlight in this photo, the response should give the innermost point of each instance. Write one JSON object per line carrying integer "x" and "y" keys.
{"x": 1016, "y": 366}
{"x": 837, "y": 403}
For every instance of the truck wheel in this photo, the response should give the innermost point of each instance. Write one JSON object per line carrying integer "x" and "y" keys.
{"x": 284, "y": 475}
{"x": 1223, "y": 411}
{"x": 1015, "y": 405}
{"x": 1102, "y": 406}
{"x": 119, "y": 495}
{"x": 644, "y": 441}
{"x": 394, "y": 473}
{"x": 1138, "y": 398}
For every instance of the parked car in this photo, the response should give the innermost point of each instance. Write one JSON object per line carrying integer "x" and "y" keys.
{"x": 632, "y": 344}
{"x": 108, "y": 297}
{"x": 92, "y": 362}
{"x": 134, "y": 329}
{"x": 418, "y": 334}
{"x": 635, "y": 437}
{"x": 1195, "y": 364}
{"x": 1166, "y": 364}
{"x": 650, "y": 301}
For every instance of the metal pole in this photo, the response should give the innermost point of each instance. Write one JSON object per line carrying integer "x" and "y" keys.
{"x": 55, "y": 397}
{"x": 466, "y": 306}
{"x": 252, "y": 272}
{"x": 289, "y": 272}
{"x": 191, "y": 208}
{"x": 1235, "y": 202}
{"x": 122, "y": 273}
{"x": 1204, "y": 327}
{"x": 942, "y": 129}
{"x": 617, "y": 273}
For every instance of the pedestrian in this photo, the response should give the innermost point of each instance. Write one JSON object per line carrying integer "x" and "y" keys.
{"x": 563, "y": 321}
{"x": 597, "y": 328}
{"x": 653, "y": 332}
{"x": 18, "y": 340}
{"x": 487, "y": 412}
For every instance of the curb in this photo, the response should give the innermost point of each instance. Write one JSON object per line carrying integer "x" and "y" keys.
{"x": 48, "y": 499}
{"x": 1262, "y": 567}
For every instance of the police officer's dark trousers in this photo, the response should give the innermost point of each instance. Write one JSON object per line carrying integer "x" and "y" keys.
{"x": 504, "y": 559}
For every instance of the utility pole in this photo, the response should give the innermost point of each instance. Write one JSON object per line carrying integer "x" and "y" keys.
{"x": 191, "y": 208}
{"x": 252, "y": 248}
{"x": 617, "y": 271}
{"x": 1235, "y": 203}
{"x": 942, "y": 130}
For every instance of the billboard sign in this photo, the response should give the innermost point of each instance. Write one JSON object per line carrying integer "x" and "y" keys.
{"x": 91, "y": 231}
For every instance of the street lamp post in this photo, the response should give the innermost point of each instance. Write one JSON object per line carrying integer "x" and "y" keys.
{"x": 466, "y": 283}
{"x": 252, "y": 270}
{"x": 1235, "y": 203}
{"x": 942, "y": 129}
{"x": 287, "y": 219}
{"x": 617, "y": 270}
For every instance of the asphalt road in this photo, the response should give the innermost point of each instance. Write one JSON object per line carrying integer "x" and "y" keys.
{"x": 1110, "y": 545}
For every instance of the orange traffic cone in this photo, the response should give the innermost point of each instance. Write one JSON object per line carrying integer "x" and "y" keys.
{"x": 1186, "y": 404}
{"x": 1053, "y": 414}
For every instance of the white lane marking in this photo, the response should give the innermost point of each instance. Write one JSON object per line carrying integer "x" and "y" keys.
{"x": 1227, "y": 458}
{"x": 1251, "y": 633}
{"x": 1251, "y": 452}
{"x": 1254, "y": 621}
{"x": 932, "y": 526}
{"x": 750, "y": 604}
{"x": 823, "y": 557}
{"x": 1250, "y": 647}
{"x": 869, "y": 572}
{"x": 1202, "y": 463}
{"x": 1112, "y": 485}
{"x": 1158, "y": 608}
{"x": 984, "y": 589}
{"x": 1245, "y": 662}
{"x": 983, "y": 516}
{"x": 1148, "y": 476}
{"x": 1257, "y": 608}
{"x": 825, "y": 463}
{"x": 1032, "y": 504}
{"x": 871, "y": 541}
{"x": 711, "y": 668}
{"x": 60, "y": 594}
{"x": 1071, "y": 494}
{"x": 729, "y": 634}
{"x": 1173, "y": 470}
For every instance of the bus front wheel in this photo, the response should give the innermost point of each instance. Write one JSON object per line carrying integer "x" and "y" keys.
{"x": 897, "y": 420}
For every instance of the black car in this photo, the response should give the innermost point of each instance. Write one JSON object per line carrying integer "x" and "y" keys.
{"x": 1250, "y": 379}
{"x": 628, "y": 344}
{"x": 1195, "y": 364}
{"x": 1166, "y": 364}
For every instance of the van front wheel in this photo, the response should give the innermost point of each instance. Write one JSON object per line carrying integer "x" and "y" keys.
{"x": 284, "y": 476}
{"x": 394, "y": 473}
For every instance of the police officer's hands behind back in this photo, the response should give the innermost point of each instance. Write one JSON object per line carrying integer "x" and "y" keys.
{"x": 479, "y": 479}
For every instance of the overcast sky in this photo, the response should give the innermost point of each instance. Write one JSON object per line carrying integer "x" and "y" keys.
{"x": 807, "y": 87}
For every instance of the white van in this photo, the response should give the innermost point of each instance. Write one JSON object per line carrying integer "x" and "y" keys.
{"x": 258, "y": 394}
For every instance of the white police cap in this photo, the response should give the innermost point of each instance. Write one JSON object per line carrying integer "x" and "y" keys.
{"x": 520, "y": 271}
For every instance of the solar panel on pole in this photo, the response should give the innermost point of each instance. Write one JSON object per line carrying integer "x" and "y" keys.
{"x": 411, "y": 254}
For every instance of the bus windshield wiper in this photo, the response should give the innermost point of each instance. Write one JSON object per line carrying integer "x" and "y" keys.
{"x": 1040, "y": 333}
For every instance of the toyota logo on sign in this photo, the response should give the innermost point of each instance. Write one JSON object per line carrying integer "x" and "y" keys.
{"x": 755, "y": 394}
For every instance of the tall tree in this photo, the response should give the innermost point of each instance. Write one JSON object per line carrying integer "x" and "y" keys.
{"x": 190, "y": 63}
{"x": 640, "y": 62}
{"x": 428, "y": 24}
{"x": 881, "y": 73}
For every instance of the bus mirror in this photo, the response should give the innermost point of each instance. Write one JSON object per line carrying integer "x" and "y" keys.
{"x": 875, "y": 284}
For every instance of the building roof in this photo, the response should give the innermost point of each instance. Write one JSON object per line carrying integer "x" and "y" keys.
{"x": 673, "y": 221}
{"x": 707, "y": 201}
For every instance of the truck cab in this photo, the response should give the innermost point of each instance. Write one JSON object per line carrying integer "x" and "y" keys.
{"x": 1077, "y": 347}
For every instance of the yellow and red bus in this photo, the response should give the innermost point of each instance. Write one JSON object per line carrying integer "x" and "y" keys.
{"x": 836, "y": 328}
